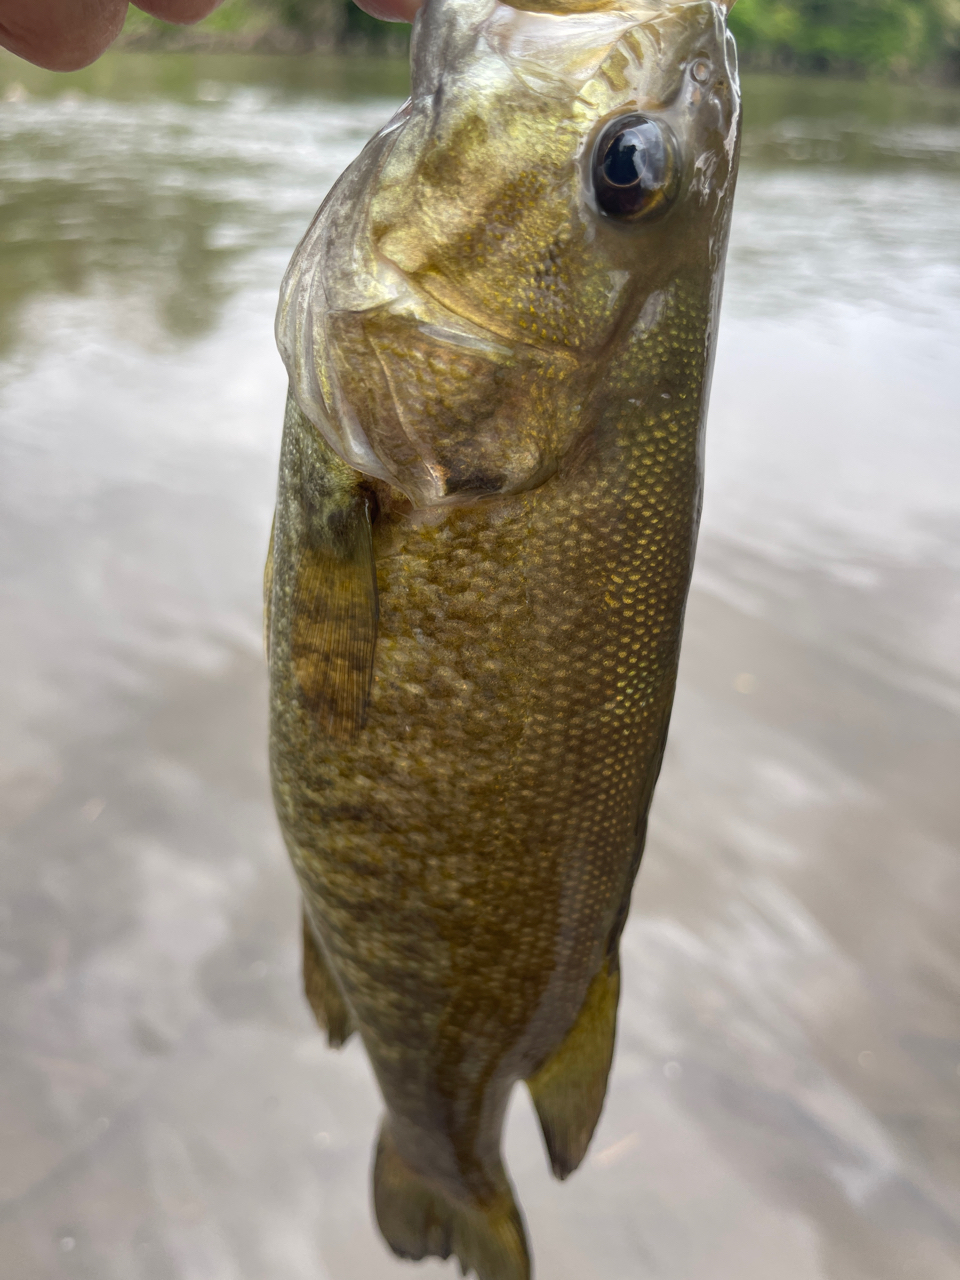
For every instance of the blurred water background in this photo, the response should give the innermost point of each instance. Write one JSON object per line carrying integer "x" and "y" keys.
{"x": 786, "y": 1095}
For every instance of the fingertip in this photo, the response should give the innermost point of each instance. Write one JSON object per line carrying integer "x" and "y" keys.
{"x": 183, "y": 12}
{"x": 390, "y": 10}
{"x": 58, "y": 43}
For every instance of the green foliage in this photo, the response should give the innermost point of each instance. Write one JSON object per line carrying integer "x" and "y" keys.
{"x": 233, "y": 16}
{"x": 309, "y": 17}
{"x": 896, "y": 36}
{"x": 307, "y": 23}
{"x": 300, "y": 15}
{"x": 868, "y": 35}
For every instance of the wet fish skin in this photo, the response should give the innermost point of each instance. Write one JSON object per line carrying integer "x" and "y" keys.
{"x": 489, "y": 491}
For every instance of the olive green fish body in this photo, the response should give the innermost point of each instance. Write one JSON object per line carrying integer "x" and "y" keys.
{"x": 475, "y": 608}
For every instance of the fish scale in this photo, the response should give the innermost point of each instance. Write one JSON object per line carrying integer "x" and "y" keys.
{"x": 473, "y": 661}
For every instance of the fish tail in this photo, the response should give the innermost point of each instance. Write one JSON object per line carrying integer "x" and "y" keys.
{"x": 419, "y": 1220}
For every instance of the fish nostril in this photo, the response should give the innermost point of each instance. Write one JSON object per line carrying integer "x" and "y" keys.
{"x": 700, "y": 71}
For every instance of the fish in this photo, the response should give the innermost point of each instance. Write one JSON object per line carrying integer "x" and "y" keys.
{"x": 499, "y": 332}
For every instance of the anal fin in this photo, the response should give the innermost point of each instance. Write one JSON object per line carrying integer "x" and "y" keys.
{"x": 419, "y": 1220}
{"x": 569, "y": 1089}
{"x": 323, "y": 991}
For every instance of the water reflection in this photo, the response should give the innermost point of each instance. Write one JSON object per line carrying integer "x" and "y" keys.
{"x": 165, "y": 194}
{"x": 873, "y": 125}
{"x": 785, "y": 1096}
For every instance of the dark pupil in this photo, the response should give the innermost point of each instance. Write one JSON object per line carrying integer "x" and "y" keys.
{"x": 634, "y": 155}
{"x": 636, "y": 173}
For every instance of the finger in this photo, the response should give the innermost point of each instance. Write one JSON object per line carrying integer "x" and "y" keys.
{"x": 391, "y": 10}
{"x": 61, "y": 35}
{"x": 184, "y": 11}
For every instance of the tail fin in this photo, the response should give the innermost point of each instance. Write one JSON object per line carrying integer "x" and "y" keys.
{"x": 569, "y": 1089}
{"x": 418, "y": 1220}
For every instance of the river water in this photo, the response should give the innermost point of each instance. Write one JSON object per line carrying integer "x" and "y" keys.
{"x": 786, "y": 1095}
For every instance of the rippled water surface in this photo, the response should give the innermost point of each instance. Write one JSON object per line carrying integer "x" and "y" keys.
{"x": 786, "y": 1096}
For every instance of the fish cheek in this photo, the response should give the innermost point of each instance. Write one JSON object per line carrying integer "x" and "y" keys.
{"x": 526, "y": 269}
{"x": 447, "y": 160}
{"x": 496, "y": 235}
{"x": 451, "y": 421}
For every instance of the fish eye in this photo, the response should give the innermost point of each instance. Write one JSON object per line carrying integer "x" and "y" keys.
{"x": 636, "y": 169}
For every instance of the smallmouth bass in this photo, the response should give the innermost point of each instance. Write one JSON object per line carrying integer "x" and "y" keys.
{"x": 499, "y": 331}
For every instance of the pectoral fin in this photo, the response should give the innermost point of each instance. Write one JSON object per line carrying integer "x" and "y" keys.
{"x": 321, "y": 580}
{"x": 334, "y": 620}
{"x": 569, "y": 1089}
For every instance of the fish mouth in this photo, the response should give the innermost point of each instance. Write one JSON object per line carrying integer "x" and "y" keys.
{"x": 560, "y": 8}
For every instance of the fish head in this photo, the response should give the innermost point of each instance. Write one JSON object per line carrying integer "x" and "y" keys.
{"x": 487, "y": 275}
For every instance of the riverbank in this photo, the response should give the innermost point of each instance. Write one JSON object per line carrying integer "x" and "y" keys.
{"x": 243, "y": 26}
{"x": 911, "y": 40}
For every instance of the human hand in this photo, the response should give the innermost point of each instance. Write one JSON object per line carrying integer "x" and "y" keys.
{"x": 64, "y": 35}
